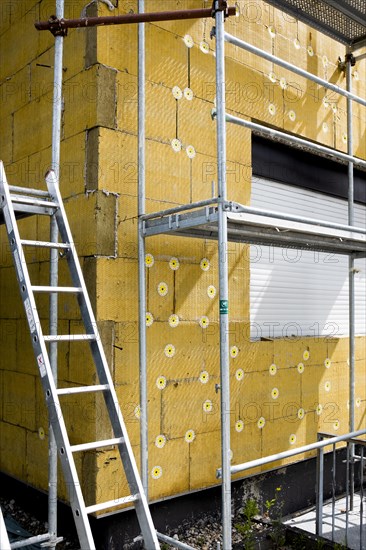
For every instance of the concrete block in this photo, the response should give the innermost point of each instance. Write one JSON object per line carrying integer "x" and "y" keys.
{"x": 92, "y": 158}
{"x": 159, "y": 124}
{"x": 129, "y": 400}
{"x": 71, "y": 169}
{"x": 6, "y": 139}
{"x": 127, "y": 95}
{"x": 277, "y": 437}
{"x": 177, "y": 27}
{"x": 15, "y": 91}
{"x": 108, "y": 478}
{"x": 19, "y": 406}
{"x": 22, "y": 38}
{"x": 252, "y": 94}
{"x": 36, "y": 463}
{"x": 251, "y": 356}
{"x": 118, "y": 300}
{"x": 1, "y": 392}
{"x": 108, "y": 53}
{"x": 198, "y": 399}
{"x": 168, "y": 65}
{"x": 81, "y": 367}
{"x": 117, "y": 168}
{"x": 167, "y": 173}
{"x": 89, "y": 271}
{"x": 161, "y": 289}
{"x": 5, "y": 18}
{"x": 246, "y": 445}
{"x": 202, "y": 71}
{"x": 192, "y": 300}
{"x": 311, "y": 380}
{"x": 107, "y": 332}
{"x": 85, "y": 417}
{"x": 10, "y": 305}
{"x": 126, "y": 353}
{"x": 102, "y": 209}
{"x": 359, "y": 137}
{"x": 360, "y": 345}
{"x": 196, "y": 126}
{"x": 168, "y": 461}
{"x": 41, "y": 407}
{"x": 32, "y": 119}
{"x": 338, "y": 349}
{"x": 88, "y": 102}
{"x": 13, "y": 450}
{"x": 25, "y": 360}
{"x": 127, "y": 227}
{"x": 41, "y": 74}
{"x": 8, "y": 342}
{"x": 204, "y": 172}
{"x": 206, "y": 446}
{"x": 75, "y": 49}
{"x": 72, "y": 172}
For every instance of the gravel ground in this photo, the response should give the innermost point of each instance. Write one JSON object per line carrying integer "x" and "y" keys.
{"x": 33, "y": 525}
{"x": 204, "y": 535}
{"x": 207, "y": 535}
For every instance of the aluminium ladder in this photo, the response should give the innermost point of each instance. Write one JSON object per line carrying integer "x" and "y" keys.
{"x": 27, "y": 202}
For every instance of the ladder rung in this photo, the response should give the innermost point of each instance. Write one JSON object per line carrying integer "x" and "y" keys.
{"x": 28, "y": 191}
{"x": 97, "y": 444}
{"x": 33, "y": 209}
{"x": 111, "y": 504}
{"x": 68, "y": 337}
{"x": 68, "y": 289}
{"x": 34, "y": 202}
{"x": 44, "y": 244}
{"x": 82, "y": 389}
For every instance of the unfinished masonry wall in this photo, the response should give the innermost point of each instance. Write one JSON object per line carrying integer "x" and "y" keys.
{"x": 275, "y": 402}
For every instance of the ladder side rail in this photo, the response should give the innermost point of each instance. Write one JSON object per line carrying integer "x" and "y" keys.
{"x": 42, "y": 358}
{"x": 105, "y": 377}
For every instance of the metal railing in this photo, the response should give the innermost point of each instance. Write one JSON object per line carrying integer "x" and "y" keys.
{"x": 351, "y": 460}
{"x": 324, "y": 440}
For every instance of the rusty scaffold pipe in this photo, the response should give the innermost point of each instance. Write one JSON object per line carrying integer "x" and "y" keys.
{"x": 59, "y": 27}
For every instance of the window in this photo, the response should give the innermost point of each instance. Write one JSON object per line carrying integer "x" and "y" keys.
{"x": 299, "y": 292}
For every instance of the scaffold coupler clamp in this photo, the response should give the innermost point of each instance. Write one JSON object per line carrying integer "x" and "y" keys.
{"x": 349, "y": 57}
{"x": 56, "y": 26}
{"x": 220, "y": 5}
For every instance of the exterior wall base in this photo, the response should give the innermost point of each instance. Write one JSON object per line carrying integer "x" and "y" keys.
{"x": 117, "y": 531}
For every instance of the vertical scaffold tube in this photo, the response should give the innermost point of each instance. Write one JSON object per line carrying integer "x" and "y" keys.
{"x": 141, "y": 255}
{"x": 223, "y": 278}
{"x": 55, "y": 164}
{"x": 351, "y": 275}
{"x": 319, "y": 491}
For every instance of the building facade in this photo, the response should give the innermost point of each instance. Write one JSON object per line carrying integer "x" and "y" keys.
{"x": 288, "y": 366}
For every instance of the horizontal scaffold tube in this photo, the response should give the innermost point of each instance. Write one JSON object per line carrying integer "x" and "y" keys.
{"x": 294, "y": 139}
{"x": 293, "y": 452}
{"x": 301, "y": 72}
{"x": 174, "y": 542}
{"x": 54, "y": 24}
{"x": 298, "y": 219}
{"x": 181, "y": 208}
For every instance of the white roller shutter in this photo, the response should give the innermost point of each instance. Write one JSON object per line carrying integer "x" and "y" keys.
{"x": 297, "y": 292}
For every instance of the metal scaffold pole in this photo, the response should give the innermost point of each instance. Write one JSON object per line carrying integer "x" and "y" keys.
{"x": 351, "y": 271}
{"x": 223, "y": 280}
{"x": 141, "y": 255}
{"x": 55, "y": 164}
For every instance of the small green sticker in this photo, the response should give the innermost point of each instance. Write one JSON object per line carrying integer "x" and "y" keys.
{"x": 224, "y": 306}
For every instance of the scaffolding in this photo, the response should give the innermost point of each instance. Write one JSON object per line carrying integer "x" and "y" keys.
{"x": 224, "y": 220}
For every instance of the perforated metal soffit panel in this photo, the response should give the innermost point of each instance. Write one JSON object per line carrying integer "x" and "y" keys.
{"x": 343, "y": 20}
